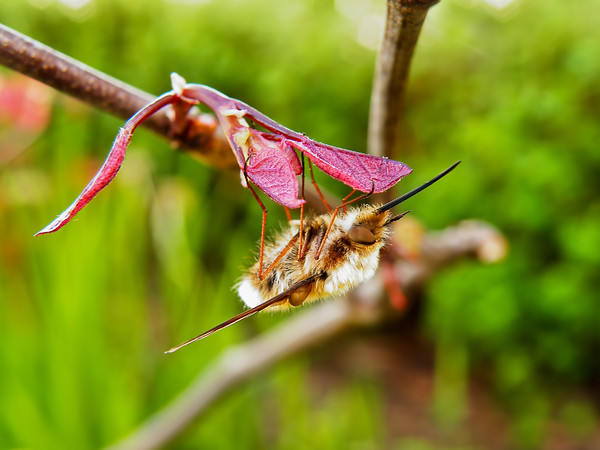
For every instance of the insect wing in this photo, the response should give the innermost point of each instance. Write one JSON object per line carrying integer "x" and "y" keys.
{"x": 358, "y": 170}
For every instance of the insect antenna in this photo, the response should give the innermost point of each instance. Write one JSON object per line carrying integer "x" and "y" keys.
{"x": 250, "y": 312}
{"x": 416, "y": 190}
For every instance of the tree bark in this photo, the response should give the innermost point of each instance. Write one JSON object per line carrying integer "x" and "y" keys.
{"x": 403, "y": 25}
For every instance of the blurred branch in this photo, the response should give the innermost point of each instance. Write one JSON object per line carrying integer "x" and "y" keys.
{"x": 404, "y": 20}
{"x": 20, "y": 53}
{"x": 363, "y": 309}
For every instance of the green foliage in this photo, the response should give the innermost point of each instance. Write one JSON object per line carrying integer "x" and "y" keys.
{"x": 85, "y": 314}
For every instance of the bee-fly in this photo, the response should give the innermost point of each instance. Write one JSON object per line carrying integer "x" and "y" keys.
{"x": 337, "y": 252}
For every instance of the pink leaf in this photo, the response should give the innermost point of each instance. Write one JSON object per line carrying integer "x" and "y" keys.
{"x": 270, "y": 169}
{"x": 107, "y": 172}
{"x": 358, "y": 170}
{"x": 111, "y": 165}
{"x": 262, "y": 139}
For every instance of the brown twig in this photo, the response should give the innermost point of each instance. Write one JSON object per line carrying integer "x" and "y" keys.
{"x": 29, "y": 57}
{"x": 403, "y": 24}
{"x": 309, "y": 328}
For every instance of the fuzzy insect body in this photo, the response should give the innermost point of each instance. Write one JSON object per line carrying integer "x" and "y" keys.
{"x": 327, "y": 256}
{"x": 343, "y": 263}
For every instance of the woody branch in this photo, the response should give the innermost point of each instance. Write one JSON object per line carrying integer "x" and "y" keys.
{"x": 404, "y": 21}
{"x": 201, "y": 136}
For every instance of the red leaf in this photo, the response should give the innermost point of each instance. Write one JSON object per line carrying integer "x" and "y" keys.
{"x": 270, "y": 169}
{"x": 105, "y": 175}
{"x": 111, "y": 165}
{"x": 358, "y": 170}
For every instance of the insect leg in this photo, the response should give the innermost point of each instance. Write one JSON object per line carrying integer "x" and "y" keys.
{"x": 335, "y": 211}
{"x": 262, "y": 274}
{"x": 282, "y": 253}
{"x": 314, "y": 182}
{"x": 264, "y": 221}
{"x": 287, "y": 213}
{"x": 345, "y": 199}
{"x": 300, "y": 253}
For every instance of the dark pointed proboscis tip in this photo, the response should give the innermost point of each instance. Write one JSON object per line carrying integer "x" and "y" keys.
{"x": 416, "y": 190}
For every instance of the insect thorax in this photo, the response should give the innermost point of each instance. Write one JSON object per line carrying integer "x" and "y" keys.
{"x": 342, "y": 262}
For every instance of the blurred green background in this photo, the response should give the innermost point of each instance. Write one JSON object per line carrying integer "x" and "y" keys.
{"x": 511, "y": 351}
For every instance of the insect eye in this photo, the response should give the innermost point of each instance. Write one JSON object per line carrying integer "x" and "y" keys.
{"x": 361, "y": 235}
